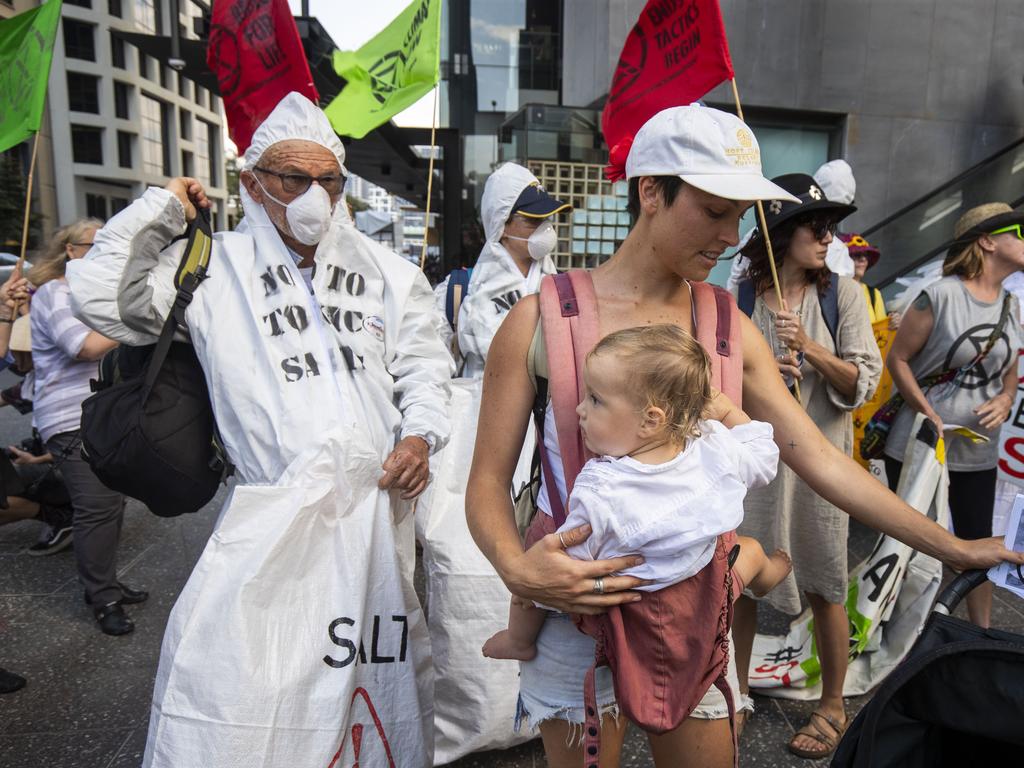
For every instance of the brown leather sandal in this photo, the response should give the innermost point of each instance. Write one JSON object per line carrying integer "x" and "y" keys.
{"x": 828, "y": 740}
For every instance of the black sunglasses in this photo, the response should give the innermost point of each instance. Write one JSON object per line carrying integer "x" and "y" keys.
{"x": 820, "y": 226}
{"x": 298, "y": 183}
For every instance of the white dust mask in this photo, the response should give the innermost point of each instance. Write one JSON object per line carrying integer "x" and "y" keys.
{"x": 541, "y": 243}
{"x": 308, "y": 215}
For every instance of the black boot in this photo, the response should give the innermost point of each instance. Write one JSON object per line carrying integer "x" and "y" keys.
{"x": 10, "y": 682}
{"x": 113, "y": 620}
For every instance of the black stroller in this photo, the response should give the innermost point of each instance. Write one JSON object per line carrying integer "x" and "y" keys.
{"x": 956, "y": 700}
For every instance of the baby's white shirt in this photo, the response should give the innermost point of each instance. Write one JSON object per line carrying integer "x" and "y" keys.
{"x": 671, "y": 513}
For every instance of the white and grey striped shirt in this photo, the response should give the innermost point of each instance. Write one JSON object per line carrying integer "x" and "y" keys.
{"x": 62, "y": 381}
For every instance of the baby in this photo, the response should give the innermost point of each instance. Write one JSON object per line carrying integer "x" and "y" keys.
{"x": 675, "y": 459}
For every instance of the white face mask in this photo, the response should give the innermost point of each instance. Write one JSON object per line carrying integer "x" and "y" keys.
{"x": 541, "y": 243}
{"x": 308, "y": 215}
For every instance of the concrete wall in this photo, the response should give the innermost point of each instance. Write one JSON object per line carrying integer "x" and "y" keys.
{"x": 929, "y": 87}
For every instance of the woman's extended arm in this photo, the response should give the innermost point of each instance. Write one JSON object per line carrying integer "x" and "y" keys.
{"x": 543, "y": 573}
{"x": 838, "y": 478}
{"x": 915, "y": 328}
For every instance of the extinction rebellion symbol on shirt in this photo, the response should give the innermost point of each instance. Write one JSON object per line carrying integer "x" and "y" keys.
{"x": 968, "y": 346}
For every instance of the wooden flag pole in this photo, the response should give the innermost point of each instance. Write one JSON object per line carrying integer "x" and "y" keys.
{"x": 28, "y": 204}
{"x": 764, "y": 236}
{"x": 430, "y": 179}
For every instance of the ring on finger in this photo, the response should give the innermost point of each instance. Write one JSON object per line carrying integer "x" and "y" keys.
{"x": 599, "y": 585}
{"x": 562, "y": 541}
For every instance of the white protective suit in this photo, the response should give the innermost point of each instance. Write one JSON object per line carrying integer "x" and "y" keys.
{"x": 836, "y": 180}
{"x": 298, "y": 639}
{"x": 496, "y": 284}
{"x": 474, "y": 697}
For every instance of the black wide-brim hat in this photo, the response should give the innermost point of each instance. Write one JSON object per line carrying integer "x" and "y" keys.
{"x": 812, "y": 200}
{"x": 982, "y": 220}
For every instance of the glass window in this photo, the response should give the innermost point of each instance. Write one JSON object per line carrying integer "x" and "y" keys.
{"x": 213, "y": 144}
{"x": 87, "y": 144}
{"x": 96, "y": 206}
{"x": 114, "y": 8}
{"x": 187, "y": 168}
{"x": 185, "y": 123}
{"x": 151, "y": 112}
{"x": 202, "y": 154}
{"x": 117, "y": 56}
{"x": 83, "y": 93}
{"x": 118, "y": 204}
{"x": 124, "y": 149}
{"x": 494, "y": 37}
{"x": 122, "y": 100}
{"x": 143, "y": 65}
{"x": 200, "y": 95}
{"x": 79, "y": 42}
{"x": 79, "y": 3}
{"x": 146, "y": 15}
{"x": 184, "y": 86}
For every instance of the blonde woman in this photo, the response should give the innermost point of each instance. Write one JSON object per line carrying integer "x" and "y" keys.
{"x": 64, "y": 354}
{"x": 965, "y": 322}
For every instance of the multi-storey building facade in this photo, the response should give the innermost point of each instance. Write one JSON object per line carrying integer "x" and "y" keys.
{"x": 117, "y": 121}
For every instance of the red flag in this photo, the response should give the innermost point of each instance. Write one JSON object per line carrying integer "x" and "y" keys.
{"x": 257, "y": 56}
{"x": 675, "y": 53}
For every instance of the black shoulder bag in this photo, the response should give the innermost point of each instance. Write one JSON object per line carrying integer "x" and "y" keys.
{"x": 149, "y": 430}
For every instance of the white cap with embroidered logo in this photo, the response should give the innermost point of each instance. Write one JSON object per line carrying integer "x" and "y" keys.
{"x": 708, "y": 149}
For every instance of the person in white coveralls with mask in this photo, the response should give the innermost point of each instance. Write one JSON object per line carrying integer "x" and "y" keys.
{"x": 518, "y": 217}
{"x": 298, "y": 639}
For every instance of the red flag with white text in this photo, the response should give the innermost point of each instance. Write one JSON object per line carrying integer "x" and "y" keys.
{"x": 676, "y": 52}
{"x": 257, "y": 56}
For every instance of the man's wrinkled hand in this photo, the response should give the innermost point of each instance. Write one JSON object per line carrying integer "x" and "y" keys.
{"x": 191, "y": 194}
{"x": 407, "y": 469}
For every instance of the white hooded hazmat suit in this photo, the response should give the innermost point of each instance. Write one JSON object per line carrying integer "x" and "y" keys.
{"x": 474, "y": 697}
{"x": 497, "y": 283}
{"x": 298, "y": 639}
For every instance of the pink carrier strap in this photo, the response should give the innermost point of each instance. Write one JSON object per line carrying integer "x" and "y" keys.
{"x": 568, "y": 314}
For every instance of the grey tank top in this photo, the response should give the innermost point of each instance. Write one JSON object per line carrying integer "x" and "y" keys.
{"x": 962, "y": 326}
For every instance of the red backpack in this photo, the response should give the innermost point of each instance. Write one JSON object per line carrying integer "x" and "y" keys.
{"x": 659, "y": 677}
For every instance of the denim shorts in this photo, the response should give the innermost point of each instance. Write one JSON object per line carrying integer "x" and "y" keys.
{"x": 551, "y": 684}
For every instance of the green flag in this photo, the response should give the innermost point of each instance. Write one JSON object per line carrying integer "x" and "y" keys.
{"x": 26, "y": 49}
{"x": 389, "y": 73}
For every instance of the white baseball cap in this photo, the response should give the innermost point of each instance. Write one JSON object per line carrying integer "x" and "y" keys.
{"x": 709, "y": 149}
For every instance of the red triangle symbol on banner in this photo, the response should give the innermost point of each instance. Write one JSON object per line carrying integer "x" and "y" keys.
{"x": 357, "y": 734}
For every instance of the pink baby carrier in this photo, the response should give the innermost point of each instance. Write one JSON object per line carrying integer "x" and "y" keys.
{"x": 659, "y": 677}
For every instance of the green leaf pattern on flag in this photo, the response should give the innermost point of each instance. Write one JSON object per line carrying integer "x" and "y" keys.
{"x": 26, "y": 50}
{"x": 390, "y": 72}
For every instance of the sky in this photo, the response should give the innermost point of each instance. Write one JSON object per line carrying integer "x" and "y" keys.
{"x": 353, "y": 22}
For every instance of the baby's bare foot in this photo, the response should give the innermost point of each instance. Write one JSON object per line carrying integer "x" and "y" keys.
{"x": 776, "y": 568}
{"x": 504, "y": 646}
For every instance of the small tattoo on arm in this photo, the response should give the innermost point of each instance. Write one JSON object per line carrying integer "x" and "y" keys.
{"x": 792, "y": 445}
{"x": 922, "y": 302}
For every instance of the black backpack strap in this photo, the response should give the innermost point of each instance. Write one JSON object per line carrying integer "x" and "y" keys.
{"x": 191, "y": 272}
{"x": 829, "y": 301}
{"x": 745, "y": 297}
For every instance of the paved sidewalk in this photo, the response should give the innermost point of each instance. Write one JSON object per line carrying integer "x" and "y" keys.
{"x": 87, "y": 701}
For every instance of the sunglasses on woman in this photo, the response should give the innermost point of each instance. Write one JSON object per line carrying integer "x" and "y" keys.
{"x": 820, "y": 226}
{"x": 1015, "y": 228}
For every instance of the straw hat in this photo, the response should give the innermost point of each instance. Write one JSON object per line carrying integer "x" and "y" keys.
{"x": 21, "y": 335}
{"x": 981, "y": 220}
